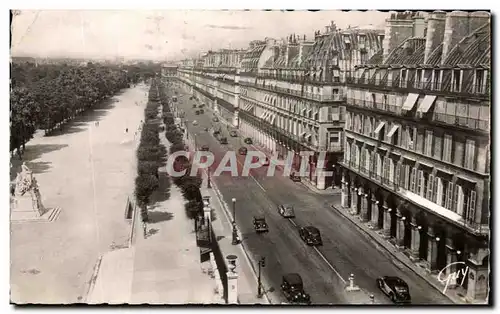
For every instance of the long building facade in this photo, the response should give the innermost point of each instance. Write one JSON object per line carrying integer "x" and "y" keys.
{"x": 402, "y": 112}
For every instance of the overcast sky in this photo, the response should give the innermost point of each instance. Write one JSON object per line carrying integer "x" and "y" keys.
{"x": 164, "y": 34}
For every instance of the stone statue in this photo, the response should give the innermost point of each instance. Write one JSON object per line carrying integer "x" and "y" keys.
{"x": 27, "y": 194}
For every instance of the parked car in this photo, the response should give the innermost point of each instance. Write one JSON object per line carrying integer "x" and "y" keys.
{"x": 395, "y": 288}
{"x": 197, "y": 112}
{"x": 248, "y": 141}
{"x": 174, "y": 98}
{"x": 191, "y": 98}
{"x": 242, "y": 151}
{"x": 194, "y": 105}
{"x": 223, "y": 140}
{"x": 233, "y": 133}
{"x": 202, "y": 111}
{"x": 259, "y": 224}
{"x": 195, "y": 122}
{"x": 205, "y": 148}
{"x": 286, "y": 210}
{"x": 311, "y": 235}
{"x": 215, "y": 119}
{"x": 201, "y": 105}
{"x": 294, "y": 177}
{"x": 293, "y": 289}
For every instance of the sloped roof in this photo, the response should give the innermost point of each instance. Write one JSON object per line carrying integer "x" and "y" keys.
{"x": 473, "y": 50}
{"x": 410, "y": 51}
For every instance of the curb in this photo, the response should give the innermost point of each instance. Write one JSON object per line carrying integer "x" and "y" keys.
{"x": 93, "y": 279}
{"x": 434, "y": 285}
{"x": 241, "y": 246}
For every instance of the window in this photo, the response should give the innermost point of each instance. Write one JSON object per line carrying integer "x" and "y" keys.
{"x": 471, "y": 207}
{"x": 390, "y": 178}
{"x": 447, "y": 148}
{"x": 456, "y": 196}
{"x": 420, "y": 183}
{"x": 379, "y": 165}
{"x": 470, "y": 151}
{"x": 479, "y": 81}
{"x": 397, "y": 176}
{"x": 435, "y": 190}
{"x": 456, "y": 81}
{"x": 449, "y": 196}
{"x": 406, "y": 177}
{"x": 430, "y": 188}
{"x": 437, "y": 146}
{"x": 347, "y": 152}
{"x": 386, "y": 172}
{"x": 428, "y": 143}
{"x": 363, "y": 159}
{"x": 413, "y": 179}
{"x": 411, "y": 134}
{"x": 368, "y": 160}
{"x": 436, "y": 80}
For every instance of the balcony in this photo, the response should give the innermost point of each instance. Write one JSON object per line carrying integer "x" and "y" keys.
{"x": 472, "y": 123}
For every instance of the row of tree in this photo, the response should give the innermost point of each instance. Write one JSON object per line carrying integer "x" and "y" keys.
{"x": 189, "y": 185}
{"x": 47, "y": 96}
{"x": 150, "y": 153}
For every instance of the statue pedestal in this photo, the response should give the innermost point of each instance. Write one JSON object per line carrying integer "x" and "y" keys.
{"x": 23, "y": 209}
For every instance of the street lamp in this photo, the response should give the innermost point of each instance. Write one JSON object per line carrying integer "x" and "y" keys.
{"x": 262, "y": 263}
{"x": 235, "y": 232}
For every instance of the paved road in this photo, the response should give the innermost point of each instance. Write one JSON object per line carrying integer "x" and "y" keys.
{"x": 345, "y": 248}
{"x": 88, "y": 171}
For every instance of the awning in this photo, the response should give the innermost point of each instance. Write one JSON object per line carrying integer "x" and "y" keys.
{"x": 309, "y": 112}
{"x": 428, "y": 165}
{"x": 247, "y": 107}
{"x": 303, "y": 111}
{"x": 393, "y": 130}
{"x": 410, "y": 102}
{"x": 426, "y": 103}
{"x": 467, "y": 180}
{"x": 379, "y": 127}
{"x": 262, "y": 115}
{"x": 411, "y": 160}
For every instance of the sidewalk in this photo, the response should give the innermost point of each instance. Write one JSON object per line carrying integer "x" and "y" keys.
{"x": 247, "y": 280}
{"x": 452, "y": 294}
{"x": 164, "y": 267}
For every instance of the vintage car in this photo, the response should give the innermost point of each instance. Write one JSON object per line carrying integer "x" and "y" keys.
{"x": 205, "y": 148}
{"x": 194, "y": 105}
{"x": 294, "y": 177}
{"x": 174, "y": 99}
{"x": 242, "y": 151}
{"x": 201, "y": 105}
{"x": 293, "y": 289}
{"x": 191, "y": 98}
{"x": 195, "y": 122}
{"x": 248, "y": 141}
{"x": 197, "y": 112}
{"x": 202, "y": 111}
{"x": 395, "y": 288}
{"x": 233, "y": 133}
{"x": 223, "y": 140}
{"x": 260, "y": 224}
{"x": 286, "y": 210}
{"x": 311, "y": 235}
{"x": 215, "y": 119}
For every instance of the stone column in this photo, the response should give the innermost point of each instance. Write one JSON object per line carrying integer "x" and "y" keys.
{"x": 432, "y": 250}
{"x": 387, "y": 221}
{"x": 451, "y": 259}
{"x": 400, "y": 230}
{"x": 344, "y": 199}
{"x": 415, "y": 240}
{"x": 364, "y": 206}
{"x": 374, "y": 213}
{"x": 478, "y": 283}
{"x": 232, "y": 288}
{"x": 354, "y": 200}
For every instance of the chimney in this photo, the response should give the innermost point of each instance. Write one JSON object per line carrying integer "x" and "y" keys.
{"x": 435, "y": 33}
{"x": 418, "y": 26}
{"x": 398, "y": 28}
{"x": 291, "y": 52}
{"x": 304, "y": 49}
{"x": 458, "y": 25}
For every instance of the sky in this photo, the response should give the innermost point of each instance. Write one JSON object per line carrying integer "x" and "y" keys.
{"x": 164, "y": 35}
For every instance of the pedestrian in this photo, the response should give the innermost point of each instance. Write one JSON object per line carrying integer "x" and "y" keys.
{"x": 145, "y": 229}
{"x": 126, "y": 130}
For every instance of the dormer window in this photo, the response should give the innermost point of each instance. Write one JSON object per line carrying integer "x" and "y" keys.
{"x": 436, "y": 78}
{"x": 480, "y": 79}
{"x": 418, "y": 78}
{"x": 362, "y": 41}
{"x": 456, "y": 79}
{"x": 403, "y": 78}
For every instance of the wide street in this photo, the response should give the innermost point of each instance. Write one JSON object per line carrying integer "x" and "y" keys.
{"x": 324, "y": 270}
{"x": 88, "y": 171}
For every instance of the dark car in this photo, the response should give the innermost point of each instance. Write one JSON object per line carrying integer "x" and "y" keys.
{"x": 242, "y": 151}
{"x": 294, "y": 177}
{"x": 223, "y": 140}
{"x": 395, "y": 288}
{"x": 233, "y": 134}
{"x": 201, "y": 106}
{"x": 202, "y": 111}
{"x": 286, "y": 211}
{"x": 191, "y": 98}
{"x": 310, "y": 235}
{"x": 260, "y": 224}
{"x": 248, "y": 141}
{"x": 293, "y": 289}
{"x": 197, "y": 112}
{"x": 194, "y": 105}
{"x": 205, "y": 148}
{"x": 215, "y": 119}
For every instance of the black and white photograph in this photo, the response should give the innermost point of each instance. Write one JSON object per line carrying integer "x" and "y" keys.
{"x": 291, "y": 158}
